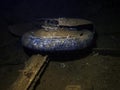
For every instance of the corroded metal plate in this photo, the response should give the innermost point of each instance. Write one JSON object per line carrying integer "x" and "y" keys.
{"x": 64, "y": 21}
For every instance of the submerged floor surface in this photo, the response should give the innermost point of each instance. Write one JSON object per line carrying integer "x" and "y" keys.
{"x": 94, "y": 72}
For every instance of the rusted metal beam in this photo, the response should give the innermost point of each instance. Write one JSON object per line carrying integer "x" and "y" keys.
{"x": 28, "y": 75}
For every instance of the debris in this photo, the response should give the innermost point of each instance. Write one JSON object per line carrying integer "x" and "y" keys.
{"x": 96, "y": 54}
{"x": 73, "y": 87}
{"x": 62, "y": 65}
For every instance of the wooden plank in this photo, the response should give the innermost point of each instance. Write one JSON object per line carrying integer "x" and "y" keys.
{"x": 29, "y": 73}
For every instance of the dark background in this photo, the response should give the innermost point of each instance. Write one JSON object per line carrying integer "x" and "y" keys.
{"x": 13, "y": 11}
